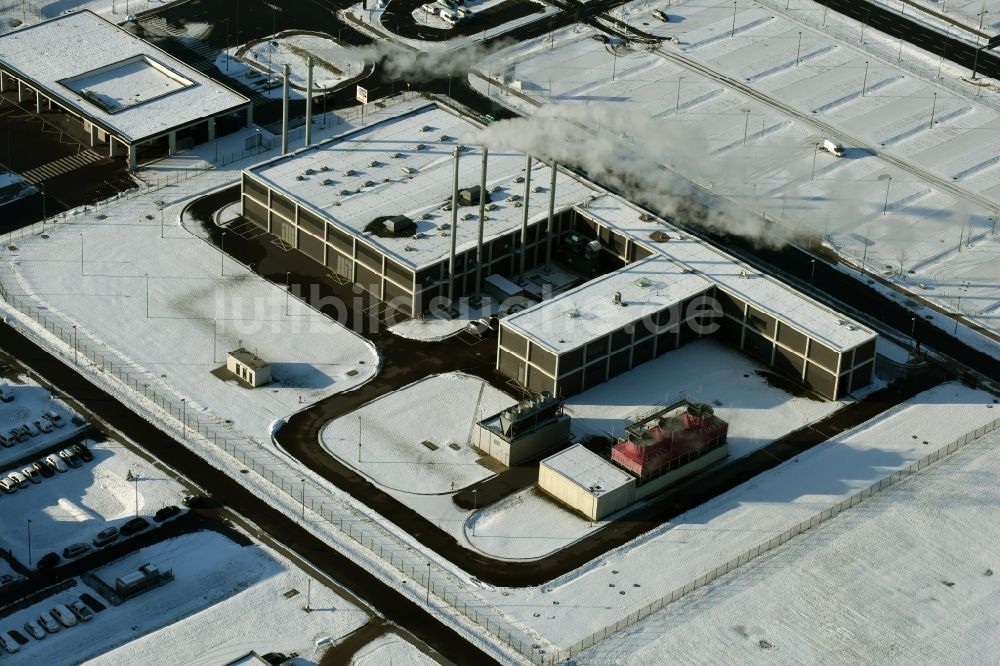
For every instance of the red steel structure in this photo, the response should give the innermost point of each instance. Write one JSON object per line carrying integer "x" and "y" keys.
{"x": 666, "y": 442}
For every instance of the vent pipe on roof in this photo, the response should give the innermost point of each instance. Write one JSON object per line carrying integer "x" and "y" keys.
{"x": 482, "y": 223}
{"x": 524, "y": 216}
{"x": 284, "y": 113}
{"x": 454, "y": 231}
{"x": 309, "y": 100}
{"x": 552, "y": 208}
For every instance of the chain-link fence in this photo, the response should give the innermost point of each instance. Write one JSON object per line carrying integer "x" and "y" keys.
{"x": 774, "y": 542}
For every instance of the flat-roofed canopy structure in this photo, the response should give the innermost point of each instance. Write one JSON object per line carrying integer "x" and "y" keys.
{"x": 126, "y": 91}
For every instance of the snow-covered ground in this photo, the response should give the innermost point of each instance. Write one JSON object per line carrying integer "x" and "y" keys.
{"x": 74, "y": 506}
{"x": 706, "y": 371}
{"x": 526, "y": 525}
{"x": 432, "y": 328}
{"x": 905, "y": 194}
{"x": 261, "y": 64}
{"x": 390, "y": 649}
{"x": 225, "y": 600}
{"x": 91, "y": 273}
{"x": 751, "y": 514}
{"x": 908, "y": 576}
{"x": 30, "y": 401}
{"x": 416, "y": 440}
{"x": 33, "y": 11}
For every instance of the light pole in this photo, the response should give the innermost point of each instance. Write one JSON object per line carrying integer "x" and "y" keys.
{"x": 134, "y": 478}
{"x": 746, "y": 126}
{"x": 798, "y": 51}
{"x": 815, "y": 153}
{"x": 427, "y": 600}
{"x": 933, "y": 108}
{"x": 913, "y": 331}
{"x": 184, "y": 416}
{"x": 29, "y": 543}
{"x": 677, "y": 106}
{"x": 812, "y": 271}
{"x": 864, "y": 83}
{"x": 76, "y": 348}
{"x": 303, "y": 499}
{"x": 222, "y": 261}
{"x": 288, "y": 290}
{"x": 888, "y": 183}
{"x": 733, "y": 33}
{"x": 474, "y": 504}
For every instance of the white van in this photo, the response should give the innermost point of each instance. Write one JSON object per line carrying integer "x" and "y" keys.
{"x": 834, "y": 148}
{"x": 63, "y": 616}
{"x": 8, "y": 644}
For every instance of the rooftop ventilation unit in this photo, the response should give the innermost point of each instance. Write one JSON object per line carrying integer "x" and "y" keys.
{"x": 426, "y": 128}
{"x": 369, "y": 183}
{"x": 519, "y": 179}
{"x": 469, "y": 196}
{"x": 327, "y": 181}
{"x": 345, "y": 193}
{"x": 495, "y": 189}
{"x": 300, "y": 177}
{"x": 324, "y": 168}
{"x": 491, "y": 206}
{"x": 537, "y": 188}
{"x": 399, "y": 224}
{"x": 350, "y": 172}
{"x": 444, "y": 138}
{"x": 659, "y": 237}
{"x": 420, "y": 146}
{"x": 645, "y": 217}
{"x": 426, "y": 216}
{"x": 395, "y": 156}
{"x": 309, "y": 172}
{"x": 643, "y": 282}
{"x": 409, "y": 171}
{"x": 374, "y": 163}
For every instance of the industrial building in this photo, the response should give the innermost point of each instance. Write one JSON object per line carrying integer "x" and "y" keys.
{"x": 374, "y": 207}
{"x": 583, "y": 337}
{"x": 586, "y": 482}
{"x": 128, "y": 94}
{"x": 662, "y": 448}
{"x": 392, "y": 208}
{"x": 250, "y": 368}
{"x": 522, "y": 432}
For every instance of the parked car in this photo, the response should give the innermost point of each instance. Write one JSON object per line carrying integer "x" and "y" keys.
{"x": 63, "y": 616}
{"x": 6, "y": 579}
{"x": 483, "y": 328}
{"x": 834, "y": 148}
{"x": 105, "y": 536}
{"x": 81, "y": 611}
{"x": 55, "y": 463}
{"x": 166, "y": 513}
{"x": 8, "y": 644}
{"x": 31, "y": 475}
{"x": 7, "y": 486}
{"x": 6, "y": 393}
{"x": 19, "y": 479}
{"x": 44, "y": 469}
{"x": 31, "y": 429}
{"x": 44, "y": 425}
{"x": 6, "y": 441}
{"x": 15, "y": 434}
{"x": 195, "y": 501}
{"x": 82, "y": 451}
{"x": 57, "y": 420}
{"x": 48, "y": 624}
{"x": 34, "y": 630}
{"x": 48, "y": 560}
{"x": 661, "y": 15}
{"x": 133, "y": 526}
{"x": 69, "y": 458}
{"x": 76, "y": 550}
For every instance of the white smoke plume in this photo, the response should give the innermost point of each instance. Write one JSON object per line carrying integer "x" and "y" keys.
{"x": 406, "y": 64}
{"x": 620, "y": 147}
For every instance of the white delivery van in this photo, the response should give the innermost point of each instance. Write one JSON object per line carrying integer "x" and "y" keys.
{"x": 834, "y": 148}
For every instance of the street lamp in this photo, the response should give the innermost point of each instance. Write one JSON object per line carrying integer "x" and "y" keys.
{"x": 888, "y": 182}
{"x": 134, "y": 478}
{"x": 812, "y": 270}
{"x": 288, "y": 290}
{"x": 815, "y": 152}
{"x": 29, "y": 543}
{"x": 222, "y": 269}
{"x": 184, "y": 415}
{"x": 76, "y": 348}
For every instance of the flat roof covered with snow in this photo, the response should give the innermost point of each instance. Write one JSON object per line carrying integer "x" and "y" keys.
{"x": 120, "y": 82}
{"x": 761, "y": 291}
{"x": 589, "y": 311}
{"x": 588, "y": 470}
{"x": 405, "y": 166}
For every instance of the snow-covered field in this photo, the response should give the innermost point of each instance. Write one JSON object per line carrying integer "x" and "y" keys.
{"x": 32, "y": 11}
{"x": 696, "y": 542}
{"x": 908, "y": 576}
{"x": 225, "y": 600}
{"x": 74, "y": 506}
{"x": 526, "y": 525}
{"x": 390, "y": 649}
{"x": 91, "y": 273}
{"x": 396, "y": 429}
{"x": 706, "y": 371}
{"x": 30, "y": 400}
{"x": 905, "y": 195}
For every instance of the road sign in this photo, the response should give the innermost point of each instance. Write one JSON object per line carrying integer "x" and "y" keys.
{"x": 362, "y": 95}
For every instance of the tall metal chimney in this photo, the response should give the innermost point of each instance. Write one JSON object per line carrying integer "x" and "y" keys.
{"x": 454, "y": 231}
{"x": 309, "y": 100}
{"x": 284, "y": 113}
{"x": 552, "y": 208}
{"x": 524, "y": 215}
{"x": 482, "y": 224}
